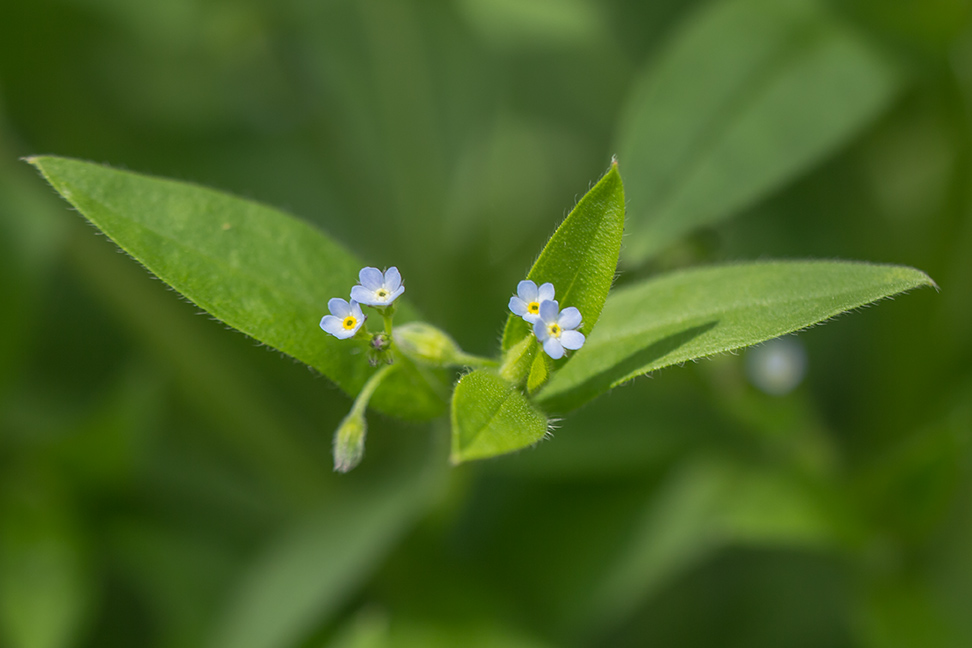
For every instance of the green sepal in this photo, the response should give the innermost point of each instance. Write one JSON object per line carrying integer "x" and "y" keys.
{"x": 518, "y": 361}
{"x": 539, "y": 372}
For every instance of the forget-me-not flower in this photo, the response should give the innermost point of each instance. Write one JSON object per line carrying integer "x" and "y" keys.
{"x": 376, "y": 289}
{"x": 526, "y": 302}
{"x": 345, "y": 318}
{"x": 556, "y": 329}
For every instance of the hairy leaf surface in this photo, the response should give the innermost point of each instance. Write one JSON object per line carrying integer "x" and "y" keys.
{"x": 491, "y": 417}
{"x": 582, "y": 255}
{"x": 701, "y": 312}
{"x": 259, "y": 270}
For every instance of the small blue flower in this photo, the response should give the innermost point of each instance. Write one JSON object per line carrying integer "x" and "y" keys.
{"x": 528, "y": 298}
{"x": 345, "y": 318}
{"x": 555, "y": 329}
{"x": 376, "y": 289}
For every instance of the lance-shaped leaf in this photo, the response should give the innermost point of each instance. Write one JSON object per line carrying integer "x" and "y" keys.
{"x": 491, "y": 417}
{"x": 257, "y": 269}
{"x": 582, "y": 255}
{"x": 749, "y": 94}
{"x": 697, "y": 313}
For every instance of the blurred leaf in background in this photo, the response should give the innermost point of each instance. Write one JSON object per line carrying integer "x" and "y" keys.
{"x": 166, "y": 482}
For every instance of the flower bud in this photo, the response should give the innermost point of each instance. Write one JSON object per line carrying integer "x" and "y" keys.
{"x": 349, "y": 441}
{"x": 429, "y": 345}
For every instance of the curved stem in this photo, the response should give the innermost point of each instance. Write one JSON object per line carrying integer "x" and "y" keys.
{"x": 361, "y": 400}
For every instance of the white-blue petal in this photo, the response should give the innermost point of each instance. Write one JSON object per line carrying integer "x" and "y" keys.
{"x": 570, "y": 318}
{"x": 335, "y": 326}
{"x": 549, "y": 311}
{"x": 572, "y": 339}
{"x": 363, "y": 295}
{"x": 540, "y": 330}
{"x": 545, "y": 292}
{"x": 395, "y": 295}
{"x": 358, "y": 315}
{"x": 371, "y": 278}
{"x": 527, "y": 290}
{"x": 338, "y": 307}
{"x": 393, "y": 279}
{"x": 553, "y": 348}
{"x": 518, "y": 306}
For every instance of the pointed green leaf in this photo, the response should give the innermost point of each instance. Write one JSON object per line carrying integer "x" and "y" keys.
{"x": 491, "y": 417}
{"x": 749, "y": 94}
{"x": 696, "y": 313}
{"x": 582, "y": 255}
{"x": 259, "y": 270}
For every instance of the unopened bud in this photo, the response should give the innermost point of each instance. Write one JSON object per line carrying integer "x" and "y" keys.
{"x": 380, "y": 342}
{"x": 349, "y": 441}
{"x": 427, "y": 344}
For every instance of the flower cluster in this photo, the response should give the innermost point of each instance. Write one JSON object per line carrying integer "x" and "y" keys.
{"x": 374, "y": 289}
{"x": 379, "y": 290}
{"x": 555, "y": 329}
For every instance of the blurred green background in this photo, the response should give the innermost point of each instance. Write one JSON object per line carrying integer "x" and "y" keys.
{"x": 165, "y": 482}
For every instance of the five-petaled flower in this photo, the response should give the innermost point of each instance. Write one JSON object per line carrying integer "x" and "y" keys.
{"x": 526, "y": 303}
{"x": 345, "y": 318}
{"x": 376, "y": 289}
{"x": 555, "y": 329}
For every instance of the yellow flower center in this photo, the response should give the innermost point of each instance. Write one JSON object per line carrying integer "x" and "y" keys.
{"x": 533, "y": 308}
{"x": 554, "y": 330}
{"x": 381, "y": 294}
{"x": 350, "y": 322}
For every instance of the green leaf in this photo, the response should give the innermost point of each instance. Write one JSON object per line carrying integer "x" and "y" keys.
{"x": 491, "y": 417}
{"x": 748, "y": 95}
{"x": 582, "y": 255}
{"x": 257, "y": 269}
{"x": 697, "y": 313}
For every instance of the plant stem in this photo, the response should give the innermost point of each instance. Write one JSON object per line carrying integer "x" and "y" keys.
{"x": 386, "y": 315}
{"x": 361, "y": 400}
{"x": 469, "y": 360}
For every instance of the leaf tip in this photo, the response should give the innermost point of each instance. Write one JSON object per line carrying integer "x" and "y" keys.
{"x": 33, "y": 160}
{"x": 919, "y": 278}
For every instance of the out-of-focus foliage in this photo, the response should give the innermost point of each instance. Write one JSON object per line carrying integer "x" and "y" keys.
{"x": 776, "y": 85}
{"x": 163, "y": 479}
